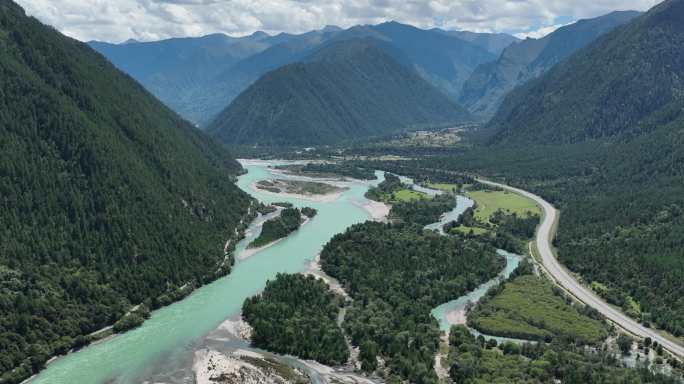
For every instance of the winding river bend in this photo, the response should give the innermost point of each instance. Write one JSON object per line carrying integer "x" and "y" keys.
{"x": 162, "y": 349}
{"x": 170, "y": 334}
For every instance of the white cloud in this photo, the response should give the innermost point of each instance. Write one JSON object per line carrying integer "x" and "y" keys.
{"x": 156, "y": 19}
{"x": 539, "y": 33}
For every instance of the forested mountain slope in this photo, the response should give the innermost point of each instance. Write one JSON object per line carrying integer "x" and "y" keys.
{"x": 625, "y": 84}
{"x": 108, "y": 199}
{"x": 178, "y": 70}
{"x": 489, "y": 84}
{"x": 602, "y": 137}
{"x": 347, "y": 90}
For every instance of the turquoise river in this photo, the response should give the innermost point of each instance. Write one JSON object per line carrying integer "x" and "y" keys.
{"x": 172, "y": 332}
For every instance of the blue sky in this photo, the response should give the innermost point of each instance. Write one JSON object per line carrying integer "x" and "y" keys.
{"x": 119, "y": 20}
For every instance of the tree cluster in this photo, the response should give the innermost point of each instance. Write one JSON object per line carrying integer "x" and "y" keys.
{"x": 423, "y": 211}
{"x": 297, "y": 315}
{"x": 395, "y": 275}
{"x": 473, "y": 361}
{"x": 276, "y": 228}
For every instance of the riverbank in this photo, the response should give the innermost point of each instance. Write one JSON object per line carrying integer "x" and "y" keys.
{"x": 234, "y": 328}
{"x": 243, "y": 367}
{"x": 378, "y": 211}
{"x": 315, "y": 269}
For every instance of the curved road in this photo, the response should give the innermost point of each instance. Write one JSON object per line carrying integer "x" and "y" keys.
{"x": 545, "y": 234}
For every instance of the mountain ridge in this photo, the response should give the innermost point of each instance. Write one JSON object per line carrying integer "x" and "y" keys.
{"x": 347, "y": 89}
{"x": 200, "y": 94}
{"x": 645, "y": 58}
{"x": 109, "y": 199}
{"x": 525, "y": 60}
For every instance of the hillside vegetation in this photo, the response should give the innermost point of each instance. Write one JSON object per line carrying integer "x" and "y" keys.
{"x": 622, "y": 189}
{"x": 625, "y": 84}
{"x": 179, "y": 71}
{"x": 108, "y": 198}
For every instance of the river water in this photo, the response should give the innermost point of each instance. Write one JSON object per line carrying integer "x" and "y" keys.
{"x": 443, "y": 312}
{"x": 169, "y": 338}
{"x": 171, "y": 333}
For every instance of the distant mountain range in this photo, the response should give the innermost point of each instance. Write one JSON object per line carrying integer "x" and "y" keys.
{"x": 199, "y": 77}
{"x": 177, "y": 71}
{"x": 109, "y": 199}
{"x": 520, "y": 62}
{"x": 345, "y": 90}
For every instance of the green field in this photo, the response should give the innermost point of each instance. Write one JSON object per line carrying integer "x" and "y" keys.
{"x": 442, "y": 186}
{"x": 489, "y": 202}
{"x": 467, "y": 230}
{"x": 409, "y": 195}
{"x": 401, "y": 196}
{"x": 527, "y": 308}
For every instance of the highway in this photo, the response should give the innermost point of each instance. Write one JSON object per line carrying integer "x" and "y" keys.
{"x": 544, "y": 238}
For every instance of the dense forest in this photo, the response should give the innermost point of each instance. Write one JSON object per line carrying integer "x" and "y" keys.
{"x": 424, "y": 211}
{"x": 108, "y": 198}
{"x": 276, "y": 228}
{"x": 620, "y": 205}
{"x": 472, "y": 361}
{"x": 297, "y": 315}
{"x": 510, "y": 232}
{"x": 324, "y": 170}
{"x": 621, "y": 212}
{"x": 395, "y": 275}
{"x": 384, "y": 191}
{"x": 409, "y": 169}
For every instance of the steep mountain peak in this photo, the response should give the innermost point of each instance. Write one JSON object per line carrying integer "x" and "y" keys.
{"x": 357, "y": 48}
{"x": 259, "y": 35}
{"x": 393, "y": 23}
{"x": 330, "y": 28}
